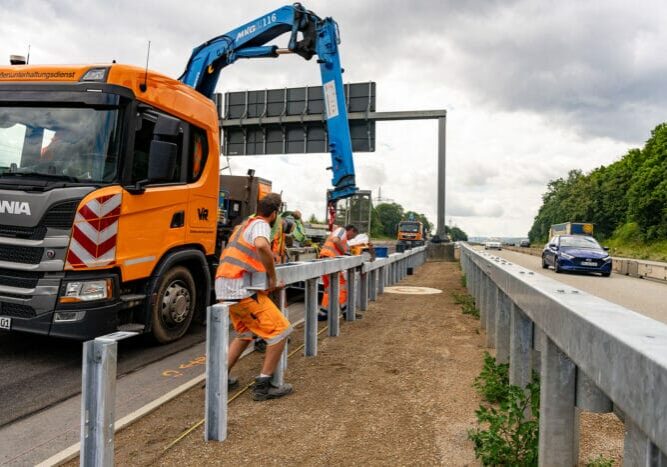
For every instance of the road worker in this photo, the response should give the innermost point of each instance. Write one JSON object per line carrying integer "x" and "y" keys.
{"x": 254, "y": 314}
{"x": 282, "y": 227}
{"x": 336, "y": 245}
{"x": 299, "y": 233}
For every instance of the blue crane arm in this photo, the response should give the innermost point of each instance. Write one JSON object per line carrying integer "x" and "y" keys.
{"x": 318, "y": 37}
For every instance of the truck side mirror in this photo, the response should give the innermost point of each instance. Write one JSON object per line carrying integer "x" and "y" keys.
{"x": 162, "y": 161}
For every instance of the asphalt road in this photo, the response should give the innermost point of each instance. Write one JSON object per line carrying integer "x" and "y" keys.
{"x": 37, "y": 372}
{"x": 641, "y": 295}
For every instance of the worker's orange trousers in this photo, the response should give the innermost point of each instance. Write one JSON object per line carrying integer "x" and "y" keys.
{"x": 342, "y": 293}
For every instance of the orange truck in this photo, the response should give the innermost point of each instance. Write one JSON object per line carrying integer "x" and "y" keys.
{"x": 411, "y": 233}
{"x": 109, "y": 184}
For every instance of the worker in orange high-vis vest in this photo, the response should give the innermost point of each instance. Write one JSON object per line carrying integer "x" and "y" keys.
{"x": 284, "y": 226}
{"x": 336, "y": 245}
{"x": 254, "y": 314}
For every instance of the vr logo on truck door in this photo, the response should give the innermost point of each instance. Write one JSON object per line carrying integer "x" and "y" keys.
{"x": 202, "y": 213}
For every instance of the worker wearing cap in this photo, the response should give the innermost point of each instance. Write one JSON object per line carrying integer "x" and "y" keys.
{"x": 336, "y": 245}
{"x": 254, "y": 314}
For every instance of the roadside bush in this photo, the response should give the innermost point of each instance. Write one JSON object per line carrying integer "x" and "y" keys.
{"x": 467, "y": 303}
{"x": 504, "y": 435}
{"x": 600, "y": 461}
{"x": 493, "y": 381}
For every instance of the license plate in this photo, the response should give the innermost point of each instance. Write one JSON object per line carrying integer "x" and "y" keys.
{"x": 5, "y": 323}
{"x": 589, "y": 263}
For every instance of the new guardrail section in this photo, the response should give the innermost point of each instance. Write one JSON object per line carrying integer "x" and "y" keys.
{"x": 99, "y": 360}
{"x": 594, "y": 356}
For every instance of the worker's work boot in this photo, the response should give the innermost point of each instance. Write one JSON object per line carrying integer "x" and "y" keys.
{"x": 264, "y": 389}
{"x": 232, "y": 383}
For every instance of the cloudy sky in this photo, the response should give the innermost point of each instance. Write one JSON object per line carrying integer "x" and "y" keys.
{"x": 532, "y": 88}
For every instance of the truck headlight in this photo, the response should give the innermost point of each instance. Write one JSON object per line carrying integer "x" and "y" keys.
{"x": 85, "y": 291}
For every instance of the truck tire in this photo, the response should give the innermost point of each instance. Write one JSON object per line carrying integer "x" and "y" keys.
{"x": 174, "y": 306}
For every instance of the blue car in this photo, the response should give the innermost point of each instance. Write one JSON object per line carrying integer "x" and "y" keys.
{"x": 576, "y": 253}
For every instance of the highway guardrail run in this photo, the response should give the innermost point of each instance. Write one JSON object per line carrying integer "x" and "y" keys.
{"x": 99, "y": 361}
{"x": 594, "y": 356}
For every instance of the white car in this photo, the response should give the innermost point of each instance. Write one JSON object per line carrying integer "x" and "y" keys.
{"x": 493, "y": 245}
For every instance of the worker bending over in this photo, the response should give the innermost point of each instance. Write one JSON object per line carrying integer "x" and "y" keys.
{"x": 336, "y": 245}
{"x": 253, "y": 313}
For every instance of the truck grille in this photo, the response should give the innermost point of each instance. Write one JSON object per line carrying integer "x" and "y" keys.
{"x": 59, "y": 216}
{"x": 21, "y": 254}
{"x": 22, "y": 279}
{"x": 17, "y": 310}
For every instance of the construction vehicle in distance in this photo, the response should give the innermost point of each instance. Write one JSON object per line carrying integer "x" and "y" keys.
{"x": 411, "y": 233}
{"x": 571, "y": 228}
{"x": 238, "y": 199}
{"x": 109, "y": 183}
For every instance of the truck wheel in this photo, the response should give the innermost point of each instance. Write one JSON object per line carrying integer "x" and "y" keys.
{"x": 174, "y": 305}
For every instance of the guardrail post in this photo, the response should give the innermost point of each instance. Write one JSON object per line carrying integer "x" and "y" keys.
{"x": 373, "y": 290}
{"x": 98, "y": 399}
{"x": 521, "y": 347}
{"x": 334, "y": 312}
{"x": 363, "y": 291}
{"x": 310, "y": 328}
{"x": 97, "y": 402}
{"x": 557, "y": 444}
{"x": 381, "y": 278}
{"x": 589, "y": 396}
{"x": 638, "y": 448}
{"x": 351, "y": 312}
{"x": 217, "y": 341}
{"x": 279, "y": 374}
{"x": 483, "y": 308}
{"x": 491, "y": 312}
{"x": 502, "y": 327}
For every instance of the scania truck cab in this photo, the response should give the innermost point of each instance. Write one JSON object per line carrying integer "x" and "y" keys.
{"x": 108, "y": 200}
{"x": 109, "y": 182}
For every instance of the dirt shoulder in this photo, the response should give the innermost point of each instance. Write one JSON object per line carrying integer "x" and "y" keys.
{"x": 394, "y": 388}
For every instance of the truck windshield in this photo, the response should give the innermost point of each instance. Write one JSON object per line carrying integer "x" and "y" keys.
{"x": 72, "y": 144}
{"x": 410, "y": 227}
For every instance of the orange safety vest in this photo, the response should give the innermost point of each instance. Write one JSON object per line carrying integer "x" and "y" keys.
{"x": 330, "y": 249}
{"x": 239, "y": 256}
{"x": 278, "y": 242}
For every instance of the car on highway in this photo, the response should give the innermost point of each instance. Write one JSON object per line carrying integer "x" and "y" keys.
{"x": 576, "y": 253}
{"x": 524, "y": 243}
{"x": 493, "y": 245}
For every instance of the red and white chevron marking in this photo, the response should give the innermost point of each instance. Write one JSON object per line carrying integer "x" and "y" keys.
{"x": 94, "y": 233}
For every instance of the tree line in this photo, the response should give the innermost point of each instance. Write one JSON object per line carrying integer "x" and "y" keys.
{"x": 386, "y": 216}
{"x": 628, "y": 197}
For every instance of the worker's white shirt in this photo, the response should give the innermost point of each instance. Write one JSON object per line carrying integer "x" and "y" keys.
{"x": 232, "y": 289}
{"x": 342, "y": 234}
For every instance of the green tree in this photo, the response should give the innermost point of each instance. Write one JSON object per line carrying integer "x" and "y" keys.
{"x": 389, "y": 215}
{"x": 457, "y": 234}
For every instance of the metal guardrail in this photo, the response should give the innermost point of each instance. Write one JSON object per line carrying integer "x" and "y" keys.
{"x": 99, "y": 356}
{"x": 594, "y": 356}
